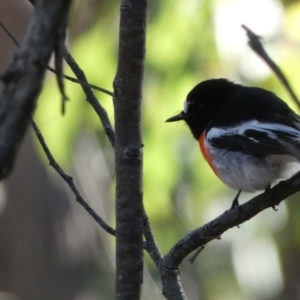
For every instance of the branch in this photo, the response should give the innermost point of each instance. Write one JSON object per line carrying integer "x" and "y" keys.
{"x": 150, "y": 245}
{"x": 72, "y": 79}
{"x": 24, "y": 76}
{"x": 91, "y": 98}
{"x": 69, "y": 180}
{"x": 59, "y": 63}
{"x": 51, "y": 159}
{"x": 257, "y": 47}
{"x": 229, "y": 219}
{"x": 197, "y": 239}
{"x": 83, "y": 83}
{"x": 128, "y": 154}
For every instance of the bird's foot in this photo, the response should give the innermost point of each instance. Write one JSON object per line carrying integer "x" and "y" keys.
{"x": 235, "y": 204}
{"x": 235, "y": 201}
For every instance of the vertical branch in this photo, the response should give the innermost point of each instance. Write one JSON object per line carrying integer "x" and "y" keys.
{"x": 128, "y": 149}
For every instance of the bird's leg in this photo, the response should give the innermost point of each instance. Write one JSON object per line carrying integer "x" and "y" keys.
{"x": 268, "y": 187}
{"x": 266, "y": 190}
{"x": 235, "y": 202}
{"x": 235, "y": 205}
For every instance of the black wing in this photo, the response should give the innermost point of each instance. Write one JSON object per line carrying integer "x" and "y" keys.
{"x": 260, "y": 141}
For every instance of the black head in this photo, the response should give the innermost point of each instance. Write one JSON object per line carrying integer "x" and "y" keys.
{"x": 202, "y": 104}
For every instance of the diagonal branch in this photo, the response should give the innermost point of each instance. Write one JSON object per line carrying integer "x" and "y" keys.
{"x": 257, "y": 47}
{"x": 198, "y": 238}
{"x": 83, "y": 83}
{"x": 229, "y": 219}
{"x": 51, "y": 159}
{"x": 72, "y": 79}
{"x": 150, "y": 244}
{"x": 69, "y": 180}
{"x": 91, "y": 98}
{"x": 24, "y": 76}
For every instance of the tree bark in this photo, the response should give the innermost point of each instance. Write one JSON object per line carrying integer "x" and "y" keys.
{"x": 128, "y": 150}
{"x": 24, "y": 76}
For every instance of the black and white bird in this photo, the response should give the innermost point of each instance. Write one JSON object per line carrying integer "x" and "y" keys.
{"x": 249, "y": 136}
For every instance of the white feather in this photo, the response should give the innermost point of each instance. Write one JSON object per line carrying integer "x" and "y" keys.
{"x": 185, "y": 106}
{"x": 240, "y": 129}
{"x": 247, "y": 172}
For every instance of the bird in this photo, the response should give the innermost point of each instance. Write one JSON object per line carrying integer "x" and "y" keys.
{"x": 249, "y": 136}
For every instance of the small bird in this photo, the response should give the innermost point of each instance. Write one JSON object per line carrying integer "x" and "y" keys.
{"x": 249, "y": 136}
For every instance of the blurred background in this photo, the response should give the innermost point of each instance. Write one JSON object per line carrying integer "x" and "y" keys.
{"x": 49, "y": 246}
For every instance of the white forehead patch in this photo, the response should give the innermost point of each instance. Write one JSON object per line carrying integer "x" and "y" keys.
{"x": 185, "y": 106}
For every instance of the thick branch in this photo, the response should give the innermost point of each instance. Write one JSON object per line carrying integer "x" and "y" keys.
{"x": 128, "y": 145}
{"x": 24, "y": 76}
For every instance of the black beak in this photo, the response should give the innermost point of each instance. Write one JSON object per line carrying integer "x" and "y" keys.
{"x": 178, "y": 117}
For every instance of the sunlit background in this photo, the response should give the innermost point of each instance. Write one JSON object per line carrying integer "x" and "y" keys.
{"x": 51, "y": 249}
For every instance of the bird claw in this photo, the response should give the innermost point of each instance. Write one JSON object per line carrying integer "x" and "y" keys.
{"x": 274, "y": 208}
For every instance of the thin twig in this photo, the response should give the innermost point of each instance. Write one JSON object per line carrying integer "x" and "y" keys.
{"x": 72, "y": 79}
{"x": 9, "y": 34}
{"x": 150, "y": 245}
{"x": 257, "y": 47}
{"x": 69, "y": 180}
{"x": 83, "y": 83}
{"x": 91, "y": 98}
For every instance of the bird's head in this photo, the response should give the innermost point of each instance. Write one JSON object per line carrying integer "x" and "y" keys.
{"x": 202, "y": 103}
